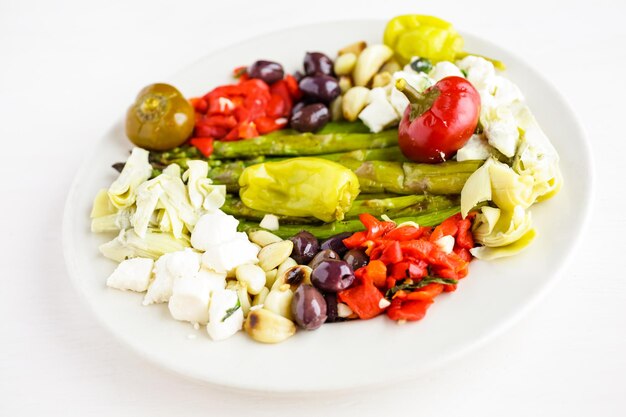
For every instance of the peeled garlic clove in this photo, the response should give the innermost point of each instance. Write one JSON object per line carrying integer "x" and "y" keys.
{"x": 369, "y": 62}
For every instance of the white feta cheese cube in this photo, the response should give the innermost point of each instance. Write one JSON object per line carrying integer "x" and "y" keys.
{"x": 229, "y": 255}
{"x": 444, "y": 69}
{"x": 190, "y": 299}
{"x": 379, "y": 113}
{"x": 215, "y": 280}
{"x": 445, "y": 243}
{"x": 476, "y": 149}
{"x": 212, "y": 229}
{"x": 225, "y": 315}
{"x": 160, "y": 289}
{"x": 183, "y": 263}
{"x": 132, "y": 274}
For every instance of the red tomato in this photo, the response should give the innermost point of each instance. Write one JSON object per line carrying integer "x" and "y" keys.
{"x": 439, "y": 121}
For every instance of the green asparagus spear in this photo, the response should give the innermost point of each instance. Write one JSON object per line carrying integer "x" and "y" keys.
{"x": 410, "y": 178}
{"x": 304, "y": 144}
{"x": 327, "y": 230}
{"x": 381, "y": 176}
{"x": 404, "y": 206}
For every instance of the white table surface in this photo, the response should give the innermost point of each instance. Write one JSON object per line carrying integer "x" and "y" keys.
{"x": 68, "y": 70}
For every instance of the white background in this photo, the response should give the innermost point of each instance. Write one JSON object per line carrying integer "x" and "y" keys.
{"x": 68, "y": 70}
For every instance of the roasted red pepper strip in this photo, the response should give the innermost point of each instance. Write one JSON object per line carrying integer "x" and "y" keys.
{"x": 376, "y": 271}
{"x": 405, "y": 233}
{"x": 408, "y": 309}
{"x": 204, "y": 145}
{"x": 392, "y": 253}
{"x": 356, "y": 240}
{"x": 363, "y": 298}
{"x": 428, "y": 292}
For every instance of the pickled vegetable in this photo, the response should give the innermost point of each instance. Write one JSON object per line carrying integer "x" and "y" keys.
{"x": 160, "y": 119}
{"x": 422, "y": 36}
{"x": 300, "y": 187}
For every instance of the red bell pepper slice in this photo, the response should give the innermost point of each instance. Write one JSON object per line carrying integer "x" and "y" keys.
{"x": 428, "y": 292}
{"x": 376, "y": 272}
{"x": 392, "y": 253}
{"x": 464, "y": 237}
{"x": 293, "y": 87}
{"x": 204, "y": 145}
{"x": 447, "y": 228}
{"x": 410, "y": 310}
{"x": 356, "y": 240}
{"x": 363, "y": 298}
{"x": 405, "y": 233}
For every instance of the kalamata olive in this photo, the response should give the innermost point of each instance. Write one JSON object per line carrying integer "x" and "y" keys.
{"x": 305, "y": 246}
{"x": 323, "y": 255}
{"x": 160, "y": 118}
{"x": 317, "y": 63}
{"x": 332, "y": 275}
{"x": 268, "y": 71}
{"x": 332, "y": 314}
{"x": 320, "y": 88}
{"x": 356, "y": 258}
{"x": 308, "y": 307}
{"x": 336, "y": 243}
{"x": 310, "y": 118}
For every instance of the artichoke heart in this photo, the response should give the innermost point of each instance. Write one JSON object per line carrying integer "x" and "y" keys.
{"x": 300, "y": 187}
{"x": 137, "y": 170}
{"x": 500, "y": 228}
{"x": 488, "y": 253}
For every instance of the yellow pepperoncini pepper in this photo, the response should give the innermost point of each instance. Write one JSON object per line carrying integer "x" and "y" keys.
{"x": 422, "y": 36}
{"x": 303, "y": 186}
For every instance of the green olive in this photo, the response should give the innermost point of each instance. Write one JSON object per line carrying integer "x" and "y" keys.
{"x": 160, "y": 119}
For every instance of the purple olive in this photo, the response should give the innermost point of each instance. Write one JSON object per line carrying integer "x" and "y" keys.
{"x": 305, "y": 246}
{"x": 356, "y": 258}
{"x": 310, "y": 118}
{"x": 308, "y": 307}
{"x": 318, "y": 63}
{"x": 320, "y": 88}
{"x": 336, "y": 243}
{"x": 321, "y": 256}
{"x": 332, "y": 315}
{"x": 268, "y": 71}
{"x": 332, "y": 275}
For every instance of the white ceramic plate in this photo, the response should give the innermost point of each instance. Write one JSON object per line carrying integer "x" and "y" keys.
{"x": 344, "y": 355}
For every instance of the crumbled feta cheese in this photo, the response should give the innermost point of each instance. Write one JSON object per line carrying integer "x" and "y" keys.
{"x": 445, "y": 69}
{"x": 383, "y": 303}
{"x": 500, "y": 128}
{"x": 480, "y": 73}
{"x": 445, "y": 243}
{"x": 476, "y": 149}
{"x": 167, "y": 269}
{"x": 212, "y": 229}
{"x": 227, "y": 256}
{"x": 379, "y": 113}
{"x": 270, "y": 222}
{"x": 183, "y": 263}
{"x": 132, "y": 274}
{"x": 214, "y": 280}
{"x": 190, "y": 299}
{"x": 223, "y": 303}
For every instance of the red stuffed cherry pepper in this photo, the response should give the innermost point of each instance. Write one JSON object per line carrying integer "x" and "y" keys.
{"x": 439, "y": 121}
